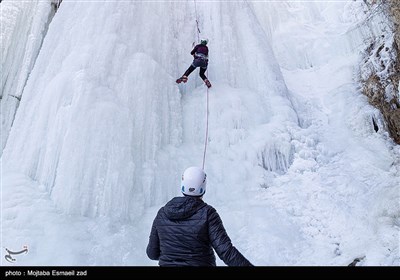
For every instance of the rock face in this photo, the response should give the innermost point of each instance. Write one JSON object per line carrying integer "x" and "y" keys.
{"x": 380, "y": 71}
{"x": 394, "y": 79}
{"x": 395, "y": 12}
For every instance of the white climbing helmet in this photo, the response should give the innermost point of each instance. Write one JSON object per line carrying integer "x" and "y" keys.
{"x": 194, "y": 181}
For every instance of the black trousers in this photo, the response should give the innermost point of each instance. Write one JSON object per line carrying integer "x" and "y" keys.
{"x": 198, "y": 63}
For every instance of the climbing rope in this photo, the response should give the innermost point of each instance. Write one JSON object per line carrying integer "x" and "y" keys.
{"x": 197, "y": 22}
{"x": 207, "y": 99}
{"x": 206, "y": 139}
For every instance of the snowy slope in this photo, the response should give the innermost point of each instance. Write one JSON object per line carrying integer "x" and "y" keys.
{"x": 103, "y": 133}
{"x": 353, "y": 173}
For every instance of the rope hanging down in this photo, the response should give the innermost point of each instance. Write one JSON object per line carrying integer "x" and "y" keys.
{"x": 206, "y": 140}
{"x": 198, "y": 41}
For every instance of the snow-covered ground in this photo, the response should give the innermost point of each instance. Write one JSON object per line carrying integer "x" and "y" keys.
{"x": 102, "y": 134}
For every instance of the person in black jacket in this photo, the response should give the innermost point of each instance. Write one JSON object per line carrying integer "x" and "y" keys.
{"x": 186, "y": 230}
{"x": 200, "y": 55}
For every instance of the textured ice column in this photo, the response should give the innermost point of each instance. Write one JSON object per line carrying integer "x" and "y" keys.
{"x": 24, "y": 25}
{"x": 98, "y": 107}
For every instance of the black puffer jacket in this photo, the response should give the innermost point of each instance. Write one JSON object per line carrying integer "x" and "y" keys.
{"x": 184, "y": 233}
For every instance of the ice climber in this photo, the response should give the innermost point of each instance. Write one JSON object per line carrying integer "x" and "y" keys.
{"x": 200, "y": 54}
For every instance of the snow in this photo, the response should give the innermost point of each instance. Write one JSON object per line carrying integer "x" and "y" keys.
{"x": 102, "y": 134}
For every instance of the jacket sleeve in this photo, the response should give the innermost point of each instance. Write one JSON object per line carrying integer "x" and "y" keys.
{"x": 222, "y": 243}
{"x": 153, "y": 248}
{"x": 194, "y": 50}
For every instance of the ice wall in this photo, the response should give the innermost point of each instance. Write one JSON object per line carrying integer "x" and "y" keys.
{"x": 23, "y": 27}
{"x": 314, "y": 44}
{"x": 101, "y": 122}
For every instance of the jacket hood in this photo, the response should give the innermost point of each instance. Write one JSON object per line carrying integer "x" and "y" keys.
{"x": 180, "y": 208}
